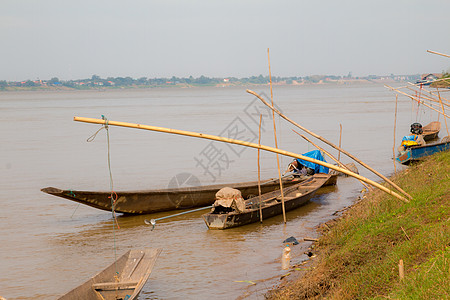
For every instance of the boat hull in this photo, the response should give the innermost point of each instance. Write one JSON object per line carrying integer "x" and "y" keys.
{"x": 420, "y": 152}
{"x": 124, "y": 278}
{"x": 294, "y": 197}
{"x": 431, "y": 131}
{"x": 151, "y": 201}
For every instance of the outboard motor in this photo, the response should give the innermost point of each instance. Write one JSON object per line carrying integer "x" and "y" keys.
{"x": 416, "y": 128}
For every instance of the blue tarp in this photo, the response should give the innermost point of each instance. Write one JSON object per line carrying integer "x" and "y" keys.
{"x": 316, "y": 154}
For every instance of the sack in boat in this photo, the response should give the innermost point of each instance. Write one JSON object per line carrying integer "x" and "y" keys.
{"x": 229, "y": 197}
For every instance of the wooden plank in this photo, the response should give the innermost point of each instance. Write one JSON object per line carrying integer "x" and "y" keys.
{"x": 111, "y": 286}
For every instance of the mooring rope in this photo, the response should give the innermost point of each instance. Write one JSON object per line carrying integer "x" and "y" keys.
{"x": 113, "y": 196}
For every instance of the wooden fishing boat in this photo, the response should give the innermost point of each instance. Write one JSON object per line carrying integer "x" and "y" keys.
{"x": 294, "y": 196}
{"x": 431, "y": 131}
{"x": 122, "y": 280}
{"x": 151, "y": 201}
{"x": 419, "y": 152}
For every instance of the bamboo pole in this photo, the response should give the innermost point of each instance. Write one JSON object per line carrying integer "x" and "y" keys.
{"x": 331, "y": 156}
{"x": 434, "y": 52}
{"x": 414, "y": 98}
{"x": 276, "y": 143}
{"x": 331, "y": 144}
{"x": 238, "y": 142}
{"x": 401, "y": 270}
{"x": 340, "y": 138}
{"x": 443, "y": 110}
{"x": 395, "y": 125}
{"x": 430, "y": 100}
{"x": 428, "y": 91}
{"x": 259, "y": 170}
{"x": 446, "y": 103}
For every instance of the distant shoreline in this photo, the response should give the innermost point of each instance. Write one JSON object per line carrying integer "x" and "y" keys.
{"x": 193, "y": 86}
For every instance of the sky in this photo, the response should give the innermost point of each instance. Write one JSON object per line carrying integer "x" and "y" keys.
{"x": 68, "y": 39}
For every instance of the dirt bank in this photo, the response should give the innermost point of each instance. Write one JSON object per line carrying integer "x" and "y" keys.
{"x": 358, "y": 254}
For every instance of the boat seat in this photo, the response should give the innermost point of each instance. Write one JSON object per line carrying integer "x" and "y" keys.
{"x": 113, "y": 286}
{"x": 285, "y": 198}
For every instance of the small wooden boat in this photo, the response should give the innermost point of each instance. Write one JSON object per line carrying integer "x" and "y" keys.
{"x": 123, "y": 280}
{"x": 294, "y": 196}
{"x": 419, "y": 152}
{"x": 431, "y": 131}
{"x": 151, "y": 201}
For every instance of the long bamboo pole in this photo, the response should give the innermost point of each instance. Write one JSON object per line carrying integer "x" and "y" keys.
{"x": 430, "y": 100}
{"x": 276, "y": 143}
{"x": 259, "y": 170}
{"x": 331, "y": 144}
{"x": 415, "y": 99}
{"x": 395, "y": 125}
{"x": 238, "y": 142}
{"x": 434, "y": 52}
{"x": 332, "y": 157}
{"x": 412, "y": 86}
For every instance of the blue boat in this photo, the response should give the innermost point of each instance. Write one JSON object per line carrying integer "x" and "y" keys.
{"x": 419, "y": 152}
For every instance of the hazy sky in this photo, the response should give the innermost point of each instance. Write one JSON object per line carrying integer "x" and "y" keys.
{"x": 163, "y": 38}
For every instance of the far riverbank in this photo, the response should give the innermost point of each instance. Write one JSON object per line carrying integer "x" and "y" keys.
{"x": 61, "y": 88}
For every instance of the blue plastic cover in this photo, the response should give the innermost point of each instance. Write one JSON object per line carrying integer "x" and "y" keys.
{"x": 316, "y": 154}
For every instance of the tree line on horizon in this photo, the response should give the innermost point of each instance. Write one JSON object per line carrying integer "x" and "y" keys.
{"x": 97, "y": 81}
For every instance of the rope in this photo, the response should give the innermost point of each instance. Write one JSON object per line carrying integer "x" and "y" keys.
{"x": 113, "y": 196}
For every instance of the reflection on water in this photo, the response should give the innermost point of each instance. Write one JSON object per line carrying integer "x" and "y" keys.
{"x": 47, "y": 240}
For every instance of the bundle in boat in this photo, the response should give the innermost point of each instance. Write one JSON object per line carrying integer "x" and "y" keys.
{"x": 233, "y": 214}
{"x": 122, "y": 280}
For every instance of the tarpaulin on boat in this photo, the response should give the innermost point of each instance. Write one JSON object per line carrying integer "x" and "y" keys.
{"x": 315, "y": 154}
{"x": 229, "y": 198}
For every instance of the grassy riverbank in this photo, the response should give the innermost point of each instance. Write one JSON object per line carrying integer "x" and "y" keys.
{"x": 358, "y": 254}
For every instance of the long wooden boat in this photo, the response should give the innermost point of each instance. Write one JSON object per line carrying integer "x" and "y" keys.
{"x": 294, "y": 196}
{"x": 431, "y": 131}
{"x": 151, "y": 201}
{"x": 122, "y": 280}
{"x": 419, "y": 152}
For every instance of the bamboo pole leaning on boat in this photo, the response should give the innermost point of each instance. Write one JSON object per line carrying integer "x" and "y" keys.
{"x": 368, "y": 187}
{"x": 331, "y": 144}
{"x": 429, "y": 100}
{"x": 415, "y": 99}
{"x": 276, "y": 143}
{"x": 238, "y": 142}
{"x": 446, "y": 103}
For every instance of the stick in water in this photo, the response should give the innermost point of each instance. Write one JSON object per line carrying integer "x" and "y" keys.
{"x": 153, "y": 221}
{"x": 259, "y": 170}
{"x": 276, "y": 143}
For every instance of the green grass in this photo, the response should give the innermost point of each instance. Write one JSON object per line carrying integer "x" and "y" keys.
{"x": 359, "y": 255}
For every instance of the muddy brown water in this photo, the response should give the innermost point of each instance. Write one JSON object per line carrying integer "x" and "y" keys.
{"x": 50, "y": 245}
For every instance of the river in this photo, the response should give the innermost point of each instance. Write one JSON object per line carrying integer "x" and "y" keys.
{"x": 50, "y": 245}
